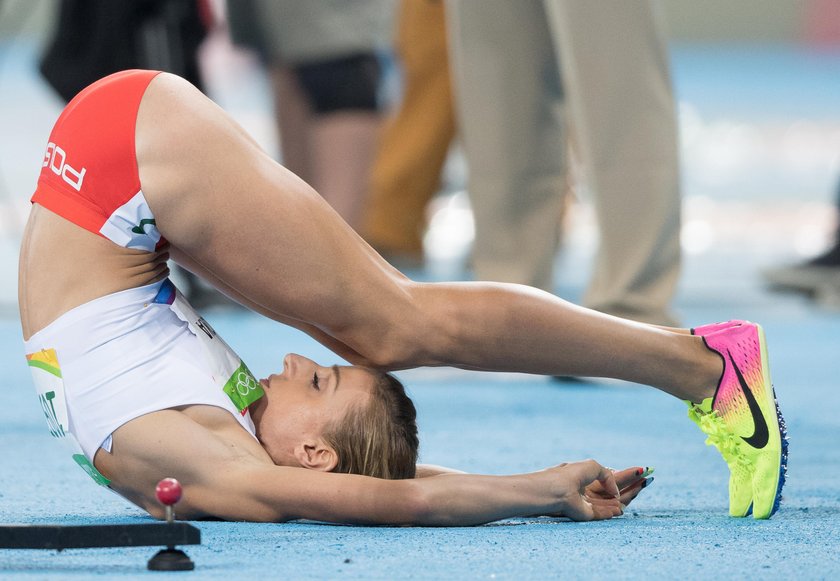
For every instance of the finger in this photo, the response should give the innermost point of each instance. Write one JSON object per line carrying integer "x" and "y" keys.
{"x": 606, "y": 478}
{"x": 624, "y": 479}
{"x": 612, "y": 502}
{"x": 604, "y": 509}
{"x": 598, "y": 509}
{"x": 632, "y": 491}
{"x": 613, "y": 506}
{"x": 628, "y": 476}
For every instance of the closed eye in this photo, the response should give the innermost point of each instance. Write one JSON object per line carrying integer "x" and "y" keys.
{"x": 316, "y": 382}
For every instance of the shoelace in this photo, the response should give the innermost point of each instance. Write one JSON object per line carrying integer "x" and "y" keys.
{"x": 719, "y": 435}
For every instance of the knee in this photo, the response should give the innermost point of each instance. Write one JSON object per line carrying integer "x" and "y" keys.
{"x": 423, "y": 332}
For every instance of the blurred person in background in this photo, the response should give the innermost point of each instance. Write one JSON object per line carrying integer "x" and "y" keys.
{"x": 415, "y": 141}
{"x": 818, "y": 277}
{"x": 94, "y": 38}
{"x": 325, "y": 72}
{"x": 519, "y": 69}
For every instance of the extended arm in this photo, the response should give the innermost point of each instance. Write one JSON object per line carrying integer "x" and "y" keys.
{"x": 226, "y": 474}
{"x": 630, "y": 482}
{"x": 272, "y": 493}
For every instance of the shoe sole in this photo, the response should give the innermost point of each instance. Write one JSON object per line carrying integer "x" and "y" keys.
{"x": 783, "y": 463}
{"x": 780, "y": 424}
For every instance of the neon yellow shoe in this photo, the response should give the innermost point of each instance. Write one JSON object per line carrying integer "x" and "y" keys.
{"x": 743, "y": 420}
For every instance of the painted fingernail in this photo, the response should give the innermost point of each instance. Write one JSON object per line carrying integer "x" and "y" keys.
{"x": 648, "y": 471}
{"x": 648, "y": 482}
{"x": 639, "y": 471}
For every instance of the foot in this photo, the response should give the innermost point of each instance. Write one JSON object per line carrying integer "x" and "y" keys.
{"x": 704, "y": 330}
{"x": 743, "y": 420}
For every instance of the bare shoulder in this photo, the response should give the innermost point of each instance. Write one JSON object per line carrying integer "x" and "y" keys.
{"x": 199, "y": 446}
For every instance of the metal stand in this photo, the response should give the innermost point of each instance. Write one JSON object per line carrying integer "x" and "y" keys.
{"x": 170, "y": 559}
{"x": 100, "y": 536}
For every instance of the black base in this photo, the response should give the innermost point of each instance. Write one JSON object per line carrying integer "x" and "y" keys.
{"x": 91, "y": 536}
{"x": 170, "y": 560}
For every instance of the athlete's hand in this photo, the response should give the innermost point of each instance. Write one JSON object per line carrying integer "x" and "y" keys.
{"x": 630, "y": 482}
{"x": 586, "y": 491}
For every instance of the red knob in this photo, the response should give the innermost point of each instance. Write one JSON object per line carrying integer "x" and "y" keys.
{"x": 168, "y": 491}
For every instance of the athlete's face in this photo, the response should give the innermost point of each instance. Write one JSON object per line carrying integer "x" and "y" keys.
{"x": 300, "y": 403}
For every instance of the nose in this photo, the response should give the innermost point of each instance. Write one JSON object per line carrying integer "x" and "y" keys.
{"x": 294, "y": 363}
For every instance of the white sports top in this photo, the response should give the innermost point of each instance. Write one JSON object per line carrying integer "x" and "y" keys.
{"x": 130, "y": 353}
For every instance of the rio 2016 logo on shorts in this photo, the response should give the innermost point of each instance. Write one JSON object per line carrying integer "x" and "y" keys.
{"x": 56, "y": 159}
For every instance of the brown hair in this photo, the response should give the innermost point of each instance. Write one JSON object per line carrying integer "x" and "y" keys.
{"x": 378, "y": 439}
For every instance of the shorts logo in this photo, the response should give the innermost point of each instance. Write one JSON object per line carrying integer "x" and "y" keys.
{"x": 56, "y": 159}
{"x": 205, "y": 326}
{"x": 141, "y": 227}
{"x": 56, "y": 429}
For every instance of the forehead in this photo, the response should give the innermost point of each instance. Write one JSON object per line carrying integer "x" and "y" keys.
{"x": 356, "y": 379}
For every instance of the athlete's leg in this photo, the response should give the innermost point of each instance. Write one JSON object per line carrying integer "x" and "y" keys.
{"x": 329, "y": 341}
{"x": 228, "y": 209}
{"x": 273, "y": 240}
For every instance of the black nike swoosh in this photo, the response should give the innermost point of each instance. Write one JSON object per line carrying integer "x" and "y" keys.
{"x": 760, "y": 435}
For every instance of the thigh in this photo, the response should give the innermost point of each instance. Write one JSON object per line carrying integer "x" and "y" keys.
{"x": 227, "y": 207}
{"x": 332, "y": 343}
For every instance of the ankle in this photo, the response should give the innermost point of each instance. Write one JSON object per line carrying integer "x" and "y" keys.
{"x": 697, "y": 369}
{"x": 708, "y": 372}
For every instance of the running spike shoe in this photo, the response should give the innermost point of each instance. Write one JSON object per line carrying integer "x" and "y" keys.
{"x": 704, "y": 330}
{"x": 743, "y": 420}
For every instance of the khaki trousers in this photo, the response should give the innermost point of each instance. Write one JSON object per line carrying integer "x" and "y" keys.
{"x": 414, "y": 143}
{"x": 508, "y": 61}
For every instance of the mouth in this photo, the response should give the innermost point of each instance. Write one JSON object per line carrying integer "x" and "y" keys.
{"x": 264, "y": 383}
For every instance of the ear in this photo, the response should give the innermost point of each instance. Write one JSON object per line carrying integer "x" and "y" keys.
{"x": 316, "y": 455}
